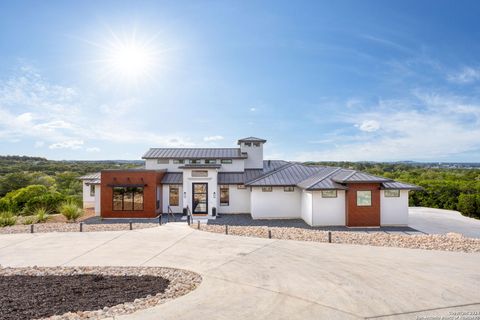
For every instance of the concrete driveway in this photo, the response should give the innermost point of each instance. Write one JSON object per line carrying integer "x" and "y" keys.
{"x": 252, "y": 278}
{"x": 430, "y": 220}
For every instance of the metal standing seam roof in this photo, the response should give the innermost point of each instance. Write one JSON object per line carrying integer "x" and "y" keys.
{"x": 352, "y": 176}
{"x": 321, "y": 181}
{"x": 252, "y": 139}
{"x": 172, "y": 178}
{"x": 194, "y": 153}
{"x": 400, "y": 185}
{"x": 91, "y": 176}
{"x": 288, "y": 175}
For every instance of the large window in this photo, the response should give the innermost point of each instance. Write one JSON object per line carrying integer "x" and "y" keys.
{"x": 127, "y": 198}
{"x": 226, "y": 161}
{"x": 329, "y": 193}
{"x": 364, "y": 198}
{"x": 392, "y": 193}
{"x": 92, "y": 190}
{"x": 173, "y": 199}
{"x": 224, "y": 196}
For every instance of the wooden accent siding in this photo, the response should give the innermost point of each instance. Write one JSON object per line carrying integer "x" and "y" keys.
{"x": 360, "y": 216}
{"x": 151, "y": 178}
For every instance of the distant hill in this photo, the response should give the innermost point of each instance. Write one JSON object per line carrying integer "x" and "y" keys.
{"x": 15, "y": 163}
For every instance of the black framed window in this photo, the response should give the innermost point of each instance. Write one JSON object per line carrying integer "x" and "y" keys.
{"x": 210, "y": 161}
{"x": 127, "y": 199}
{"x": 226, "y": 161}
{"x": 178, "y": 161}
{"x": 266, "y": 189}
{"x": 288, "y": 189}
{"x": 224, "y": 196}
{"x": 92, "y": 190}
{"x": 392, "y": 193}
{"x": 329, "y": 193}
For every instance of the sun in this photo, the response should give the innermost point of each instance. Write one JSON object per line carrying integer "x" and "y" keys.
{"x": 130, "y": 59}
{"x": 127, "y": 59}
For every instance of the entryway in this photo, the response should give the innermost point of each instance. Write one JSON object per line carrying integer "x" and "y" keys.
{"x": 199, "y": 198}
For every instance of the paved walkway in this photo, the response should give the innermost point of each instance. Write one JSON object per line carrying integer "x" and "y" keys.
{"x": 430, "y": 220}
{"x": 252, "y": 278}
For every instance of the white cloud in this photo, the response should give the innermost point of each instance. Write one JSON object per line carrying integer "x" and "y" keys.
{"x": 253, "y": 109}
{"x": 423, "y": 127}
{"x": 368, "y": 125}
{"x": 464, "y": 76}
{"x": 68, "y": 144}
{"x": 33, "y": 108}
{"x": 213, "y": 138}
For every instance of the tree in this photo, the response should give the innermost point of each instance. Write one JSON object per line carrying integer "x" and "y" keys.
{"x": 468, "y": 205}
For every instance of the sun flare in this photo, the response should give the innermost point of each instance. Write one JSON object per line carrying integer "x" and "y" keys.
{"x": 130, "y": 59}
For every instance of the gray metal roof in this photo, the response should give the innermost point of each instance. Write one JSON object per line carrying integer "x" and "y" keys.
{"x": 252, "y": 139}
{"x": 287, "y": 175}
{"x": 352, "y": 176}
{"x": 172, "y": 178}
{"x": 319, "y": 180}
{"x": 90, "y": 176}
{"x": 400, "y": 185}
{"x": 194, "y": 153}
{"x": 231, "y": 178}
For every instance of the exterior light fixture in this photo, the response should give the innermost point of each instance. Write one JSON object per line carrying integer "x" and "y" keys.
{"x": 214, "y": 194}
{"x": 184, "y": 195}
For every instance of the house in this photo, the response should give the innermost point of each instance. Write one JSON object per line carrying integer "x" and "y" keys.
{"x": 212, "y": 181}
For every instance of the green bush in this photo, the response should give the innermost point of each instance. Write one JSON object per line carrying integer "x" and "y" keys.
{"x": 18, "y": 199}
{"x": 41, "y": 214}
{"x": 468, "y": 205}
{"x": 70, "y": 210}
{"x": 29, "y": 220}
{"x": 7, "y": 218}
{"x": 50, "y": 201}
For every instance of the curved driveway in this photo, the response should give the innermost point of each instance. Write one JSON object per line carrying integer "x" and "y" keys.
{"x": 250, "y": 278}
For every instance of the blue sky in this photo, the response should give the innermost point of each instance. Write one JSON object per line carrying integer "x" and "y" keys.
{"x": 336, "y": 80}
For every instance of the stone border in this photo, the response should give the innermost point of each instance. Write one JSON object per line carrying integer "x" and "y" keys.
{"x": 447, "y": 242}
{"x": 74, "y": 227}
{"x": 181, "y": 283}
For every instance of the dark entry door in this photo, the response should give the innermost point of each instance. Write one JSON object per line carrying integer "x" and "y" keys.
{"x": 200, "y": 198}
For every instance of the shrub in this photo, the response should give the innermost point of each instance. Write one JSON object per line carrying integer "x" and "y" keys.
{"x": 29, "y": 220}
{"x": 18, "y": 199}
{"x": 467, "y": 205}
{"x": 41, "y": 214}
{"x": 7, "y": 218}
{"x": 50, "y": 201}
{"x": 70, "y": 210}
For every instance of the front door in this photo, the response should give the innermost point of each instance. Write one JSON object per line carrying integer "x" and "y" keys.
{"x": 200, "y": 198}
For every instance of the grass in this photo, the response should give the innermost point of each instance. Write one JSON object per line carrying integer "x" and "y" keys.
{"x": 41, "y": 214}
{"x": 7, "y": 219}
{"x": 70, "y": 210}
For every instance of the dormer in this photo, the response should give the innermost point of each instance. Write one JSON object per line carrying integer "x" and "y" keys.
{"x": 253, "y": 147}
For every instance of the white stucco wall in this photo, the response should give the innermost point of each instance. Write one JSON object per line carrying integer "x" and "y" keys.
{"x": 88, "y": 200}
{"x": 276, "y": 204}
{"x": 328, "y": 211}
{"x": 97, "y": 200}
{"x": 307, "y": 202}
{"x": 255, "y": 156}
{"x": 166, "y": 198}
{"x": 211, "y": 180}
{"x": 239, "y": 200}
{"x": 394, "y": 210}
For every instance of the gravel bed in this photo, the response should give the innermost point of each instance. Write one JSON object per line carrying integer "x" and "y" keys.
{"x": 88, "y": 292}
{"x": 448, "y": 242}
{"x": 74, "y": 227}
